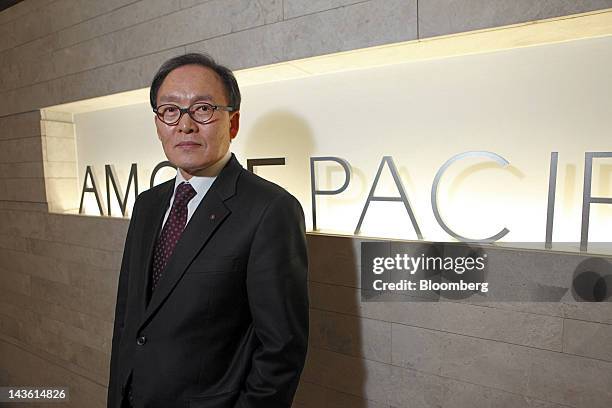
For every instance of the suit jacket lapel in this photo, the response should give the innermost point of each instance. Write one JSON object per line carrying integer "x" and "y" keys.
{"x": 209, "y": 215}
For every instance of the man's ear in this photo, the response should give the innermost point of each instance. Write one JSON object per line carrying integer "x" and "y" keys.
{"x": 234, "y": 124}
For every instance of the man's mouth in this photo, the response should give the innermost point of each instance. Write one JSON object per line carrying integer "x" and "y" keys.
{"x": 187, "y": 144}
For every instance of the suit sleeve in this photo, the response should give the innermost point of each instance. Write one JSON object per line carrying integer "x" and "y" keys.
{"x": 122, "y": 291}
{"x": 278, "y": 299}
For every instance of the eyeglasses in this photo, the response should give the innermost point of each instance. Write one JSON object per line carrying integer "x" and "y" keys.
{"x": 200, "y": 112}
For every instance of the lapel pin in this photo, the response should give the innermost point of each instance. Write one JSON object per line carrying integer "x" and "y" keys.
{"x": 212, "y": 216}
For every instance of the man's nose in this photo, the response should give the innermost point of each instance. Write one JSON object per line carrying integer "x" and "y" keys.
{"x": 186, "y": 124}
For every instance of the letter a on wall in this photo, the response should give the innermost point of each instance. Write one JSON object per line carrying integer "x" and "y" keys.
{"x": 402, "y": 198}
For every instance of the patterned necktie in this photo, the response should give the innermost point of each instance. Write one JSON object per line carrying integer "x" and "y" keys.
{"x": 173, "y": 228}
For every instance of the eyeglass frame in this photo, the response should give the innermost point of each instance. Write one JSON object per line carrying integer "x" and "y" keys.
{"x": 187, "y": 110}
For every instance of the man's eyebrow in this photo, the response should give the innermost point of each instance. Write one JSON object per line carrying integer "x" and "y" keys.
{"x": 176, "y": 98}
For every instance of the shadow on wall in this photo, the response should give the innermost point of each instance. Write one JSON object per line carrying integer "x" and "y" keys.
{"x": 335, "y": 373}
{"x": 282, "y": 134}
{"x": 335, "y": 342}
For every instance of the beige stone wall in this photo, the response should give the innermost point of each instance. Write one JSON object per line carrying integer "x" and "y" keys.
{"x": 58, "y": 273}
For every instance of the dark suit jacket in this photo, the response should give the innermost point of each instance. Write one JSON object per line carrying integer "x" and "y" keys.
{"x": 227, "y": 325}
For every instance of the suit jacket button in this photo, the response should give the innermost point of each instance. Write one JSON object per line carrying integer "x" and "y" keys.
{"x": 141, "y": 340}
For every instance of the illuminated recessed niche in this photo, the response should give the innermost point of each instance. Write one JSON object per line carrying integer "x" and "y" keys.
{"x": 521, "y": 92}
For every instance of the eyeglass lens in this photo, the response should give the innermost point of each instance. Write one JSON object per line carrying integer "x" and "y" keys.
{"x": 200, "y": 112}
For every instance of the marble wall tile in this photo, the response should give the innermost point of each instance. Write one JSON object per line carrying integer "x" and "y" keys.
{"x": 13, "y": 242}
{"x": 413, "y": 389}
{"x": 440, "y": 17}
{"x": 97, "y": 304}
{"x": 62, "y": 170}
{"x": 22, "y": 125}
{"x": 23, "y": 223}
{"x": 60, "y": 149}
{"x": 351, "y": 375}
{"x": 481, "y": 321}
{"x": 76, "y": 254}
{"x": 459, "y": 394}
{"x": 296, "y": 8}
{"x": 76, "y": 230}
{"x": 131, "y": 14}
{"x": 51, "y": 128}
{"x": 24, "y": 189}
{"x": 9, "y": 325}
{"x": 25, "y": 368}
{"x": 15, "y": 281}
{"x": 62, "y": 194}
{"x": 20, "y": 9}
{"x": 351, "y": 335}
{"x": 316, "y": 34}
{"x": 21, "y": 170}
{"x": 33, "y": 265}
{"x": 28, "y": 149}
{"x": 311, "y": 395}
{"x": 53, "y": 17}
{"x": 600, "y": 312}
{"x": 587, "y": 339}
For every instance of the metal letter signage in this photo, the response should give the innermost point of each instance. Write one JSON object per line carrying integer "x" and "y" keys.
{"x": 434, "y": 194}
{"x": 400, "y": 187}
{"x": 313, "y": 183}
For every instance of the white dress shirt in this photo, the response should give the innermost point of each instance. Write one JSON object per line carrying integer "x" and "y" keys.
{"x": 201, "y": 185}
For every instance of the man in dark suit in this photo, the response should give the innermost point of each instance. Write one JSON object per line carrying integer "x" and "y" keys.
{"x": 212, "y": 302}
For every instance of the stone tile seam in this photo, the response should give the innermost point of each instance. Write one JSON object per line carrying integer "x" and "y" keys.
{"x": 122, "y": 29}
{"x": 435, "y": 375}
{"x": 28, "y": 251}
{"x": 563, "y": 336}
{"x": 472, "y": 304}
{"x": 32, "y": 161}
{"x": 152, "y": 19}
{"x": 22, "y": 114}
{"x": 448, "y": 332}
{"x": 326, "y": 10}
{"x": 226, "y": 34}
{"x": 4, "y": 91}
{"x": 21, "y": 179}
{"x": 44, "y": 355}
{"x": 17, "y": 202}
{"x": 20, "y": 138}
{"x": 18, "y": 162}
{"x": 114, "y": 219}
{"x": 2, "y": 139}
{"x": 60, "y": 335}
{"x": 30, "y": 11}
{"x": 341, "y": 392}
{"x": 62, "y": 29}
{"x": 21, "y": 201}
{"x": 61, "y": 306}
{"x": 524, "y": 23}
{"x": 418, "y": 30}
{"x": 607, "y": 362}
{"x": 205, "y": 39}
{"x": 56, "y": 121}
{"x": 58, "y": 137}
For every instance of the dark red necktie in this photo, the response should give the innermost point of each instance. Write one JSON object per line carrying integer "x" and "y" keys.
{"x": 173, "y": 228}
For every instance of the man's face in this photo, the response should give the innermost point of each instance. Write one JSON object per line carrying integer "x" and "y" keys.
{"x": 189, "y": 145}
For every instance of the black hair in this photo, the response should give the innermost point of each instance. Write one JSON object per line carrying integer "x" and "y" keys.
{"x": 225, "y": 74}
